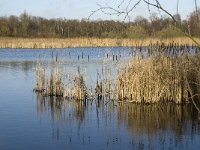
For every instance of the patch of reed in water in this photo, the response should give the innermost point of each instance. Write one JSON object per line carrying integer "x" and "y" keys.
{"x": 166, "y": 74}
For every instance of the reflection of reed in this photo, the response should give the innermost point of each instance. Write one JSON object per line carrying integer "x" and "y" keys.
{"x": 161, "y": 122}
{"x": 80, "y": 111}
{"x": 150, "y": 119}
{"x": 52, "y": 105}
{"x": 60, "y": 109}
{"x": 40, "y": 104}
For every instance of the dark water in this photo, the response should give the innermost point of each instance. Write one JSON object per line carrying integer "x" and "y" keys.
{"x": 30, "y": 121}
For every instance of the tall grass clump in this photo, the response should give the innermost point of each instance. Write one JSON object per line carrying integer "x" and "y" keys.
{"x": 53, "y": 82}
{"x": 49, "y": 84}
{"x": 80, "y": 87}
{"x": 162, "y": 74}
{"x": 40, "y": 79}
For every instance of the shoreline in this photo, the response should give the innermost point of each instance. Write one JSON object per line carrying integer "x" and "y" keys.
{"x": 42, "y": 43}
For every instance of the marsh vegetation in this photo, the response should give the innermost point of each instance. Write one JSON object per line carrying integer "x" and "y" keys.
{"x": 156, "y": 73}
{"x": 164, "y": 73}
{"x": 78, "y": 101}
{"x": 101, "y": 84}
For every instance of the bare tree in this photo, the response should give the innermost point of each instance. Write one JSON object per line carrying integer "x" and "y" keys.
{"x": 132, "y": 4}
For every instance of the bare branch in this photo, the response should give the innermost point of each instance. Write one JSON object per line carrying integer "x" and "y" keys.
{"x": 121, "y": 3}
{"x": 106, "y": 9}
{"x": 158, "y": 5}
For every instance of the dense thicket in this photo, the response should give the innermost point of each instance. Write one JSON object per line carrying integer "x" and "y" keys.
{"x": 30, "y": 26}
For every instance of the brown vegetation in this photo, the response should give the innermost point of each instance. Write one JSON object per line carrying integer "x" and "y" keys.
{"x": 156, "y": 73}
{"x": 86, "y": 42}
{"x": 166, "y": 74}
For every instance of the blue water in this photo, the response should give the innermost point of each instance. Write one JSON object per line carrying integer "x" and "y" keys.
{"x": 30, "y": 121}
{"x": 64, "y": 54}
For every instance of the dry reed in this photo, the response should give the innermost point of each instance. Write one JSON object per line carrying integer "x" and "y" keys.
{"x": 166, "y": 74}
{"x": 85, "y": 42}
{"x": 157, "y": 73}
{"x": 53, "y": 84}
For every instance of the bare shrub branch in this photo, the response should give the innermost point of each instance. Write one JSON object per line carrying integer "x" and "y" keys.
{"x": 154, "y": 3}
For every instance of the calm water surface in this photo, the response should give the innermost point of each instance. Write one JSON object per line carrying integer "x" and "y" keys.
{"x": 30, "y": 121}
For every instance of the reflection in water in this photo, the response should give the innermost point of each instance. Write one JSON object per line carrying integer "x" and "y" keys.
{"x": 95, "y": 124}
{"x": 150, "y": 119}
{"x": 60, "y": 109}
{"x": 17, "y": 66}
{"x": 149, "y": 126}
{"x": 165, "y": 124}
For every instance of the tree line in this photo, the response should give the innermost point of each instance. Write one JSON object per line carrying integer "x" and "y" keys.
{"x": 27, "y": 26}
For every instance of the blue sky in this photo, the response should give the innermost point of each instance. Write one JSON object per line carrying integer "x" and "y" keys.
{"x": 78, "y": 9}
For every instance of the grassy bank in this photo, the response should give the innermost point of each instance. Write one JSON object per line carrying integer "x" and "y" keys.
{"x": 85, "y": 42}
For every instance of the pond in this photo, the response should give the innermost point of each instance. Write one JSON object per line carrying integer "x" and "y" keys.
{"x": 32, "y": 121}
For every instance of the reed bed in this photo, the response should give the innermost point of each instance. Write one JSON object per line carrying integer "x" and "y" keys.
{"x": 155, "y": 73}
{"x": 164, "y": 73}
{"x": 40, "y": 80}
{"x": 54, "y": 82}
{"x": 85, "y": 42}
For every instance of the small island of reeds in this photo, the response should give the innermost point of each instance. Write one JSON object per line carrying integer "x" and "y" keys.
{"x": 155, "y": 73}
